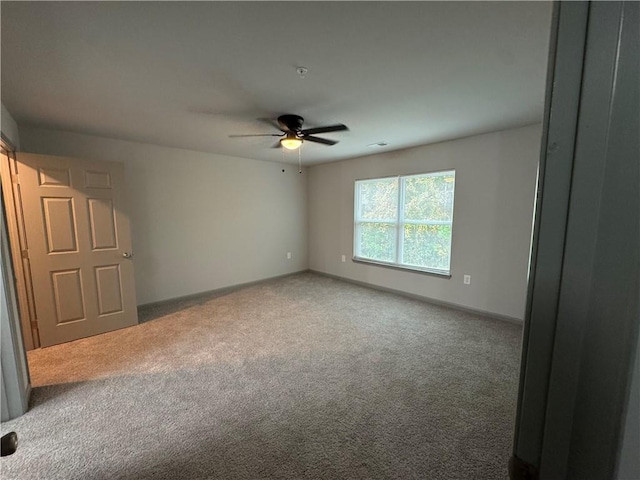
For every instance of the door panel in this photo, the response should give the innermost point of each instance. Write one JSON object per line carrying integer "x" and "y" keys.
{"x": 109, "y": 289}
{"x": 77, "y": 233}
{"x": 97, "y": 179}
{"x": 60, "y": 225}
{"x": 54, "y": 177}
{"x": 68, "y": 295}
{"x": 103, "y": 225}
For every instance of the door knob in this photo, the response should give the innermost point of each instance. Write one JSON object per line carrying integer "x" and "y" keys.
{"x": 127, "y": 255}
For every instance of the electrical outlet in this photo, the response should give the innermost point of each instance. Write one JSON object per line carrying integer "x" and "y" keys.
{"x": 467, "y": 279}
{"x": 344, "y": 258}
{"x": 289, "y": 255}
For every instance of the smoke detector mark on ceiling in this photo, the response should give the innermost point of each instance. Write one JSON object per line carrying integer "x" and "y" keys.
{"x": 302, "y": 71}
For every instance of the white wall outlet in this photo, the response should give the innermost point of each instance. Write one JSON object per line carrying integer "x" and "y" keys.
{"x": 467, "y": 279}
{"x": 344, "y": 258}
{"x": 289, "y": 255}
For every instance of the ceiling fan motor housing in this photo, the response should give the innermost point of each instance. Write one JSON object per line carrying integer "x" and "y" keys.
{"x": 290, "y": 123}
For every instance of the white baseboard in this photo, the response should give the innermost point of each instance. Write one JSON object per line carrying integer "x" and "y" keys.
{"x": 215, "y": 291}
{"x": 423, "y": 298}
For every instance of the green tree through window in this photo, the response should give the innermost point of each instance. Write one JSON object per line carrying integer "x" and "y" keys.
{"x": 406, "y": 221}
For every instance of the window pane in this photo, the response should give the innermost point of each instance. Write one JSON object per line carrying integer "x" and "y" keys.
{"x": 377, "y": 241}
{"x": 427, "y": 246}
{"x": 429, "y": 197}
{"x": 378, "y": 199}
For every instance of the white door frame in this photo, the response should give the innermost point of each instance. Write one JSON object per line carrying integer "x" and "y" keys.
{"x": 15, "y": 228}
{"x": 15, "y": 382}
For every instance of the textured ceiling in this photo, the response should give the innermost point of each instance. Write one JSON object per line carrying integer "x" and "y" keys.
{"x": 188, "y": 74}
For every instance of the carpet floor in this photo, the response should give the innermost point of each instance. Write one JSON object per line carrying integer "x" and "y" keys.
{"x": 299, "y": 377}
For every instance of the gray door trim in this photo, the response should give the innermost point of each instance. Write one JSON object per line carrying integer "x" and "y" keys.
{"x": 564, "y": 79}
{"x": 598, "y": 310}
{"x": 582, "y": 321}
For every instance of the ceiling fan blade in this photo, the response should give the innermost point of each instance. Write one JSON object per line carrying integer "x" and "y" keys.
{"x": 258, "y": 135}
{"x": 329, "y": 128}
{"x": 271, "y": 122}
{"x": 324, "y": 141}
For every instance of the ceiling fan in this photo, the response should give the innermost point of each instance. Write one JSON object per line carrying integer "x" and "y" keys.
{"x": 293, "y": 135}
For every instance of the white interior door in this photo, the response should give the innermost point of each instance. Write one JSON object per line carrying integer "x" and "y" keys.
{"x": 79, "y": 246}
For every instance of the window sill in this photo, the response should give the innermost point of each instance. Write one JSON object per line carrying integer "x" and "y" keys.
{"x": 423, "y": 271}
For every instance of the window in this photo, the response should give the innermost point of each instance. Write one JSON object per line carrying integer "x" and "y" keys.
{"x": 405, "y": 221}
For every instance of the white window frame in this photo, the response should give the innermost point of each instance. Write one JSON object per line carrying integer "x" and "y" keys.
{"x": 399, "y": 224}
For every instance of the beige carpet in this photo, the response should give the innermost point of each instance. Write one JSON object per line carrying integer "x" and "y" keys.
{"x": 300, "y": 377}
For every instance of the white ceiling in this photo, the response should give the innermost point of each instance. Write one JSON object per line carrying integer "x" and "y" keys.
{"x": 188, "y": 75}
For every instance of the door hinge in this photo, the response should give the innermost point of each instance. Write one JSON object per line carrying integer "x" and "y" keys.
{"x": 15, "y": 178}
{"x": 521, "y": 470}
{"x": 25, "y": 253}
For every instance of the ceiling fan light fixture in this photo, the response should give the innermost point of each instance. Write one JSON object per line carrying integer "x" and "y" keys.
{"x": 291, "y": 142}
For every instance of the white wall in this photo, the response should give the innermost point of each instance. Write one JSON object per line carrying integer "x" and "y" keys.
{"x": 9, "y": 128}
{"x": 199, "y": 221}
{"x": 494, "y": 199}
